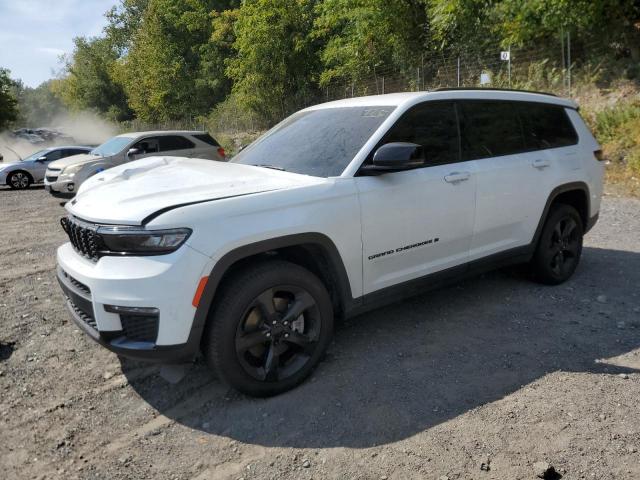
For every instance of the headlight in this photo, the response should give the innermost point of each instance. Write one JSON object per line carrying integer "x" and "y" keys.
{"x": 71, "y": 170}
{"x": 138, "y": 241}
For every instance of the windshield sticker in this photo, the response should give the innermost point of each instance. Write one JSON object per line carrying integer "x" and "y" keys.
{"x": 376, "y": 112}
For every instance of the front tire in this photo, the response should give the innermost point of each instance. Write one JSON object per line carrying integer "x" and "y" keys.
{"x": 560, "y": 245}
{"x": 269, "y": 328}
{"x": 19, "y": 180}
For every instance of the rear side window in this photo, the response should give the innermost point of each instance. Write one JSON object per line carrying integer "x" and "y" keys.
{"x": 489, "y": 129}
{"x": 206, "y": 138}
{"x": 432, "y": 125}
{"x": 175, "y": 142}
{"x": 545, "y": 126}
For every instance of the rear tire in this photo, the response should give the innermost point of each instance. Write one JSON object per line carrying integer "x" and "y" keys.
{"x": 560, "y": 245}
{"x": 19, "y": 180}
{"x": 269, "y": 328}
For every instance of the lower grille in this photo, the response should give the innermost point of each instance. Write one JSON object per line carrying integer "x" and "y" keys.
{"x": 79, "y": 285}
{"x": 84, "y": 316}
{"x": 51, "y": 178}
{"x": 140, "y": 328}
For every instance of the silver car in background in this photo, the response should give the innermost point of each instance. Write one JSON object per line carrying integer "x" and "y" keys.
{"x": 65, "y": 176}
{"x": 21, "y": 174}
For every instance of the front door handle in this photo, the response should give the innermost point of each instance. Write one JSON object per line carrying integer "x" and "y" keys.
{"x": 540, "y": 163}
{"x": 457, "y": 177}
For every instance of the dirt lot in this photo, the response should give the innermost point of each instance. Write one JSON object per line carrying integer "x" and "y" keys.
{"x": 496, "y": 370}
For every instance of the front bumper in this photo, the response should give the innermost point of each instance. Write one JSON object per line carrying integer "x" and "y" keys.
{"x": 166, "y": 283}
{"x": 64, "y": 187}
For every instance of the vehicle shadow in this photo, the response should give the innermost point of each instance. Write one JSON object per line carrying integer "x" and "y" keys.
{"x": 7, "y": 188}
{"x": 402, "y": 369}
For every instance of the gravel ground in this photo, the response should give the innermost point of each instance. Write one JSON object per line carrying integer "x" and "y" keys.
{"x": 477, "y": 381}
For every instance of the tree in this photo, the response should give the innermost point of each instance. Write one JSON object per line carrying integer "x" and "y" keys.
{"x": 361, "y": 35}
{"x": 37, "y": 106}
{"x": 168, "y": 72}
{"x": 276, "y": 65}
{"x": 8, "y": 103}
{"x": 87, "y": 81}
{"x": 607, "y": 21}
{"x": 462, "y": 26}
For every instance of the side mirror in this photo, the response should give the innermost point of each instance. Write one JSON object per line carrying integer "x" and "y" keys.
{"x": 132, "y": 152}
{"x": 396, "y": 156}
{"x": 41, "y": 159}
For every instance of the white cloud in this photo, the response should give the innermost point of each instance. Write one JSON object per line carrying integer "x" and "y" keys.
{"x": 34, "y": 33}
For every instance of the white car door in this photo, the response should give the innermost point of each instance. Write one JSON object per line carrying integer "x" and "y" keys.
{"x": 419, "y": 221}
{"x": 515, "y": 174}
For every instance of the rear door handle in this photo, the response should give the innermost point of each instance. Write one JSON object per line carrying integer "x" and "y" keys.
{"x": 540, "y": 163}
{"x": 457, "y": 177}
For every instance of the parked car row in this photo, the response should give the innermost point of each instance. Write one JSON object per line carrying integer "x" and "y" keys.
{"x": 63, "y": 169}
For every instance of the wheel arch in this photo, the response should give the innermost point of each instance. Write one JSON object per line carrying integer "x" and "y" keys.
{"x": 575, "y": 194}
{"x": 313, "y": 251}
{"x": 19, "y": 170}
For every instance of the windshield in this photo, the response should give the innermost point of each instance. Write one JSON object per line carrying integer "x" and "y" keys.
{"x": 111, "y": 146}
{"x": 36, "y": 155}
{"x": 320, "y": 142}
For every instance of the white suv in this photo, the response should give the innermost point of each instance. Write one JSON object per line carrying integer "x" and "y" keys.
{"x": 64, "y": 177}
{"x": 338, "y": 208}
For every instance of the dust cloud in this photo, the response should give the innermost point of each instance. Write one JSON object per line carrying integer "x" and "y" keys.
{"x": 85, "y": 128}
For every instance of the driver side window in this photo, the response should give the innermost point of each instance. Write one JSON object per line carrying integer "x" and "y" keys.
{"x": 146, "y": 145}
{"x": 434, "y": 126}
{"x": 53, "y": 155}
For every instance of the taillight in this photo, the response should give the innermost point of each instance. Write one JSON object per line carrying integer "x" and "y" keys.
{"x": 599, "y": 155}
{"x": 221, "y": 152}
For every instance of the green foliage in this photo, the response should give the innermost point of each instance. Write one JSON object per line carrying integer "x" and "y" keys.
{"x": 171, "y": 70}
{"x": 87, "y": 81}
{"x": 275, "y": 65}
{"x": 161, "y": 61}
{"x": 613, "y": 122}
{"x": 37, "y": 106}
{"x": 460, "y": 26}
{"x": 358, "y": 36}
{"x": 232, "y": 117}
{"x": 8, "y": 103}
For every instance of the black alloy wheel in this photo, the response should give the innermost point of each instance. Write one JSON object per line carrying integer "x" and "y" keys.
{"x": 270, "y": 324}
{"x": 560, "y": 246}
{"x": 279, "y": 333}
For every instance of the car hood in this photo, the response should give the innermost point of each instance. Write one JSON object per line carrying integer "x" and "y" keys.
{"x": 73, "y": 160}
{"x": 129, "y": 193}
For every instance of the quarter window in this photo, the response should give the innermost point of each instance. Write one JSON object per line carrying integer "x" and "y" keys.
{"x": 545, "y": 126}
{"x": 175, "y": 142}
{"x": 432, "y": 125}
{"x": 489, "y": 129}
{"x": 206, "y": 138}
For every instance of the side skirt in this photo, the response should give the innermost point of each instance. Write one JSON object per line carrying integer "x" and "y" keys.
{"x": 440, "y": 279}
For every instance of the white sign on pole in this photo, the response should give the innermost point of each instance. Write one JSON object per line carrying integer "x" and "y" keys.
{"x": 505, "y": 56}
{"x": 485, "y": 78}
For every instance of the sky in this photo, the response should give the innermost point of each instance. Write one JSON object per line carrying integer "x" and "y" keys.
{"x": 34, "y": 33}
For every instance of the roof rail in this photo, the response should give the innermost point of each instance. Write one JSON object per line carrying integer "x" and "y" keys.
{"x": 445, "y": 89}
